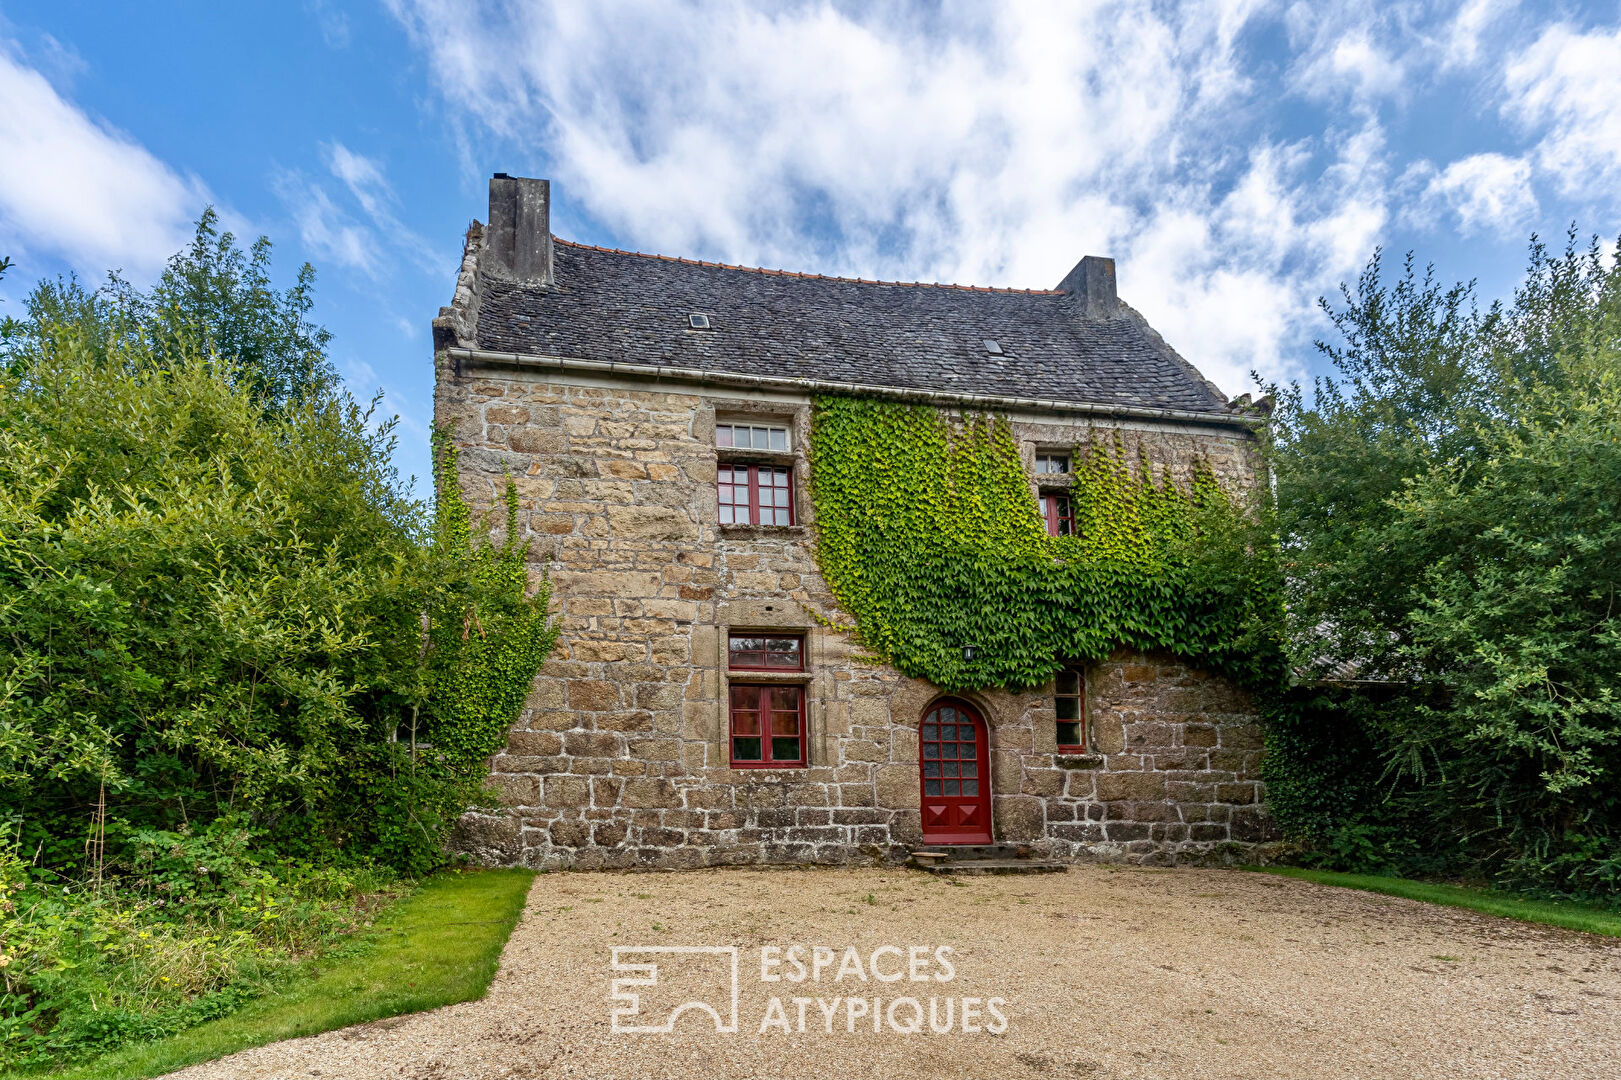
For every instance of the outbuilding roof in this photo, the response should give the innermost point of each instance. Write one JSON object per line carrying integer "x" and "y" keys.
{"x": 615, "y": 306}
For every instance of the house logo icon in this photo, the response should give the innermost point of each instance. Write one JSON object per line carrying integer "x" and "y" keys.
{"x": 672, "y": 980}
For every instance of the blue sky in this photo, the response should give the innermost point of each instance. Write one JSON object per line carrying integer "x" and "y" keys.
{"x": 1237, "y": 157}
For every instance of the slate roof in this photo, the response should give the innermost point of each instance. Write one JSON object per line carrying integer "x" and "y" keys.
{"x": 609, "y": 305}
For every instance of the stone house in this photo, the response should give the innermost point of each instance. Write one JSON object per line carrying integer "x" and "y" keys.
{"x": 654, "y": 412}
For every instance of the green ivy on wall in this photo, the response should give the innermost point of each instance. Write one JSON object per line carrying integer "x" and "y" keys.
{"x": 486, "y": 638}
{"x": 929, "y": 537}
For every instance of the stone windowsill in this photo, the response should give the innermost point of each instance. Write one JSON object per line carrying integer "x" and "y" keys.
{"x": 1078, "y": 761}
{"x": 744, "y": 456}
{"x": 789, "y": 678}
{"x": 762, "y": 532}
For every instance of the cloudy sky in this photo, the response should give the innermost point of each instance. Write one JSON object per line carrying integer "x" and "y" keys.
{"x": 1237, "y": 157}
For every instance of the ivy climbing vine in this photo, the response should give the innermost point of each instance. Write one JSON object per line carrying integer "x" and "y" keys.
{"x": 928, "y": 536}
{"x": 486, "y": 637}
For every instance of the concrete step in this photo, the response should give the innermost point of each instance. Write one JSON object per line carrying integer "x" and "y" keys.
{"x": 991, "y": 866}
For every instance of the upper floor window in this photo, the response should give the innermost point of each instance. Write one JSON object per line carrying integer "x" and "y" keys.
{"x": 1055, "y": 510}
{"x": 753, "y": 436}
{"x": 755, "y": 495}
{"x": 1069, "y": 701}
{"x": 1046, "y": 464}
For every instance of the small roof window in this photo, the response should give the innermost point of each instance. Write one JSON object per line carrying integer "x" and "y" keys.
{"x": 699, "y": 321}
{"x": 992, "y": 347}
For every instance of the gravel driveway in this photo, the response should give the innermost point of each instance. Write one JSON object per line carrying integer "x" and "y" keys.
{"x": 1103, "y": 972}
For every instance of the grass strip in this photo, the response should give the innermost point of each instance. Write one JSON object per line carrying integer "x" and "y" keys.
{"x": 1570, "y": 915}
{"x": 438, "y": 946}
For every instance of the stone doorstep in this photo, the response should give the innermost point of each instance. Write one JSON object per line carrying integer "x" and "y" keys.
{"x": 982, "y": 859}
{"x": 959, "y": 852}
{"x": 991, "y": 866}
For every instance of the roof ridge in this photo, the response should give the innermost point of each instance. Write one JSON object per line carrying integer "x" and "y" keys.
{"x": 805, "y": 276}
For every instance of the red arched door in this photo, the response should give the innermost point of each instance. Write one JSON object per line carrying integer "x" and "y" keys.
{"x": 953, "y": 763}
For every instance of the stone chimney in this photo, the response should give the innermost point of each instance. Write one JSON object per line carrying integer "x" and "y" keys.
{"x": 518, "y": 240}
{"x": 1091, "y": 283}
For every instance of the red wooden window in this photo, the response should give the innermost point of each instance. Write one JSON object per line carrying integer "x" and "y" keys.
{"x": 768, "y": 726}
{"x": 756, "y": 495}
{"x": 1055, "y": 509}
{"x": 1069, "y": 699}
{"x": 763, "y": 652}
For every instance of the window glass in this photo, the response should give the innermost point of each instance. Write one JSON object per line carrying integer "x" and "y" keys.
{"x": 1060, "y": 519}
{"x": 1052, "y": 463}
{"x": 1069, "y": 703}
{"x": 777, "y": 653}
{"x": 753, "y": 436}
{"x": 767, "y": 725}
{"x": 755, "y": 495}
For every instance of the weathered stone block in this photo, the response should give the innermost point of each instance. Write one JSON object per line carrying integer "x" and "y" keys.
{"x": 650, "y": 793}
{"x": 568, "y": 791}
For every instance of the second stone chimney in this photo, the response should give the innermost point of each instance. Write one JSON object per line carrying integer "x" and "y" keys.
{"x": 1091, "y": 283}
{"x": 518, "y": 240}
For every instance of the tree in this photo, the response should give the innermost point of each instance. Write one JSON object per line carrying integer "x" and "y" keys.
{"x": 217, "y": 596}
{"x": 1448, "y": 506}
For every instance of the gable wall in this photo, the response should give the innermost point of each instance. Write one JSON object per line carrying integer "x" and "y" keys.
{"x": 620, "y": 757}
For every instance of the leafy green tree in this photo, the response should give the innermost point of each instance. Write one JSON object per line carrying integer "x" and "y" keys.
{"x": 217, "y": 597}
{"x": 1448, "y": 506}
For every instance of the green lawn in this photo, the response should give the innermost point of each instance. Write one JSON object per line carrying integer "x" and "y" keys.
{"x": 438, "y": 946}
{"x": 1570, "y": 915}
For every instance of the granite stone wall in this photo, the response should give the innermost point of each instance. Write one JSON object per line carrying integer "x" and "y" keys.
{"x": 619, "y": 758}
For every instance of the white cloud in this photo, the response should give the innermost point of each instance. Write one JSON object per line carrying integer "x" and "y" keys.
{"x": 337, "y": 234}
{"x": 1565, "y": 88}
{"x": 326, "y": 229}
{"x": 75, "y": 188}
{"x": 1489, "y": 192}
{"x": 1462, "y": 37}
{"x": 986, "y": 144}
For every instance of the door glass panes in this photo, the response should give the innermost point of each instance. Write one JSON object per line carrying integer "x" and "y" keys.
{"x": 950, "y": 754}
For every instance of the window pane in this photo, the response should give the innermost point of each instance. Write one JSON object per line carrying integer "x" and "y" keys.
{"x": 951, "y": 787}
{"x": 1069, "y": 734}
{"x": 726, "y": 515}
{"x": 951, "y": 768}
{"x": 965, "y": 732}
{"x": 785, "y": 749}
{"x": 931, "y": 731}
{"x": 970, "y": 787}
{"x": 1067, "y": 683}
{"x": 779, "y": 438}
{"x": 931, "y": 768}
{"x": 723, "y": 434}
{"x": 931, "y": 750}
{"x": 931, "y": 787}
{"x": 948, "y": 715}
{"x": 780, "y": 517}
{"x": 745, "y": 722}
{"x": 746, "y": 749}
{"x": 970, "y": 768}
{"x": 1069, "y": 708}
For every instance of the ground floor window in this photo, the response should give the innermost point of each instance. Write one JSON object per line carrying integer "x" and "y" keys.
{"x": 767, "y": 726}
{"x": 1069, "y": 699}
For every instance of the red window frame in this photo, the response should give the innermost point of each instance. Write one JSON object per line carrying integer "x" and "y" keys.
{"x": 765, "y": 652}
{"x": 1058, "y": 512}
{"x": 755, "y": 494}
{"x": 1069, "y": 703}
{"x": 761, "y": 725}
